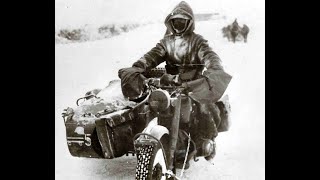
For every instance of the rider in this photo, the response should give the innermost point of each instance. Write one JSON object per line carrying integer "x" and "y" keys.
{"x": 186, "y": 55}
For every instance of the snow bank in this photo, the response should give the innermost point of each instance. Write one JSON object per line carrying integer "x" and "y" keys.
{"x": 83, "y": 20}
{"x": 91, "y": 33}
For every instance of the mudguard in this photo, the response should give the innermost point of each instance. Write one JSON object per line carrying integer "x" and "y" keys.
{"x": 155, "y": 130}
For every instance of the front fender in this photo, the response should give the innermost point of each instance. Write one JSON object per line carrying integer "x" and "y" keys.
{"x": 155, "y": 130}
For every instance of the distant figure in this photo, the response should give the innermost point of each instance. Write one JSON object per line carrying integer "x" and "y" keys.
{"x": 226, "y": 31}
{"x": 244, "y": 31}
{"x": 235, "y": 30}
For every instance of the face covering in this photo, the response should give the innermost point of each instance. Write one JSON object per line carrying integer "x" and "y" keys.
{"x": 179, "y": 24}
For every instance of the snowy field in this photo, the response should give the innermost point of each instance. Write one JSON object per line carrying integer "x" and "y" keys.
{"x": 87, "y": 65}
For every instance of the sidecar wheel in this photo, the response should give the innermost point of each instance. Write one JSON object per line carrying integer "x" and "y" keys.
{"x": 151, "y": 164}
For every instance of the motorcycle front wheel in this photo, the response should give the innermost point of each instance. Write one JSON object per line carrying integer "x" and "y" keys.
{"x": 151, "y": 163}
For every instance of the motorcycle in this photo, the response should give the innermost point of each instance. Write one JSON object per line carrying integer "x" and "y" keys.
{"x": 159, "y": 128}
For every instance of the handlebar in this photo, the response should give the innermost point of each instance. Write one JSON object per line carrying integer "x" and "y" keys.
{"x": 85, "y": 97}
{"x": 169, "y": 87}
{"x": 152, "y": 83}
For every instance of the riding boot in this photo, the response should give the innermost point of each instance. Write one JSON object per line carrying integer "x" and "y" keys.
{"x": 207, "y": 131}
{"x": 212, "y": 146}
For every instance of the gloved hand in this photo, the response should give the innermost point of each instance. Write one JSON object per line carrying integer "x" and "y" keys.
{"x": 130, "y": 70}
{"x": 168, "y": 79}
{"x": 132, "y": 82}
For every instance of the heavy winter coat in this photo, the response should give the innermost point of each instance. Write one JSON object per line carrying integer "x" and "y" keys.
{"x": 186, "y": 49}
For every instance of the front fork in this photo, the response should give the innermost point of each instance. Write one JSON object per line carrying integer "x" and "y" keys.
{"x": 173, "y": 132}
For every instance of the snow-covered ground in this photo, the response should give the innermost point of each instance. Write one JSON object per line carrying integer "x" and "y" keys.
{"x": 84, "y": 66}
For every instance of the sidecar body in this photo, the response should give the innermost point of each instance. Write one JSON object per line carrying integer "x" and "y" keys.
{"x": 102, "y": 126}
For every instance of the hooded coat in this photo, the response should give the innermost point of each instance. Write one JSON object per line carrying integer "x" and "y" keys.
{"x": 185, "y": 49}
{"x": 192, "y": 54}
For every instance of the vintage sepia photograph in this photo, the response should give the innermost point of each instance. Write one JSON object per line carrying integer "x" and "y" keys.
{"x": 160, "y": 89}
